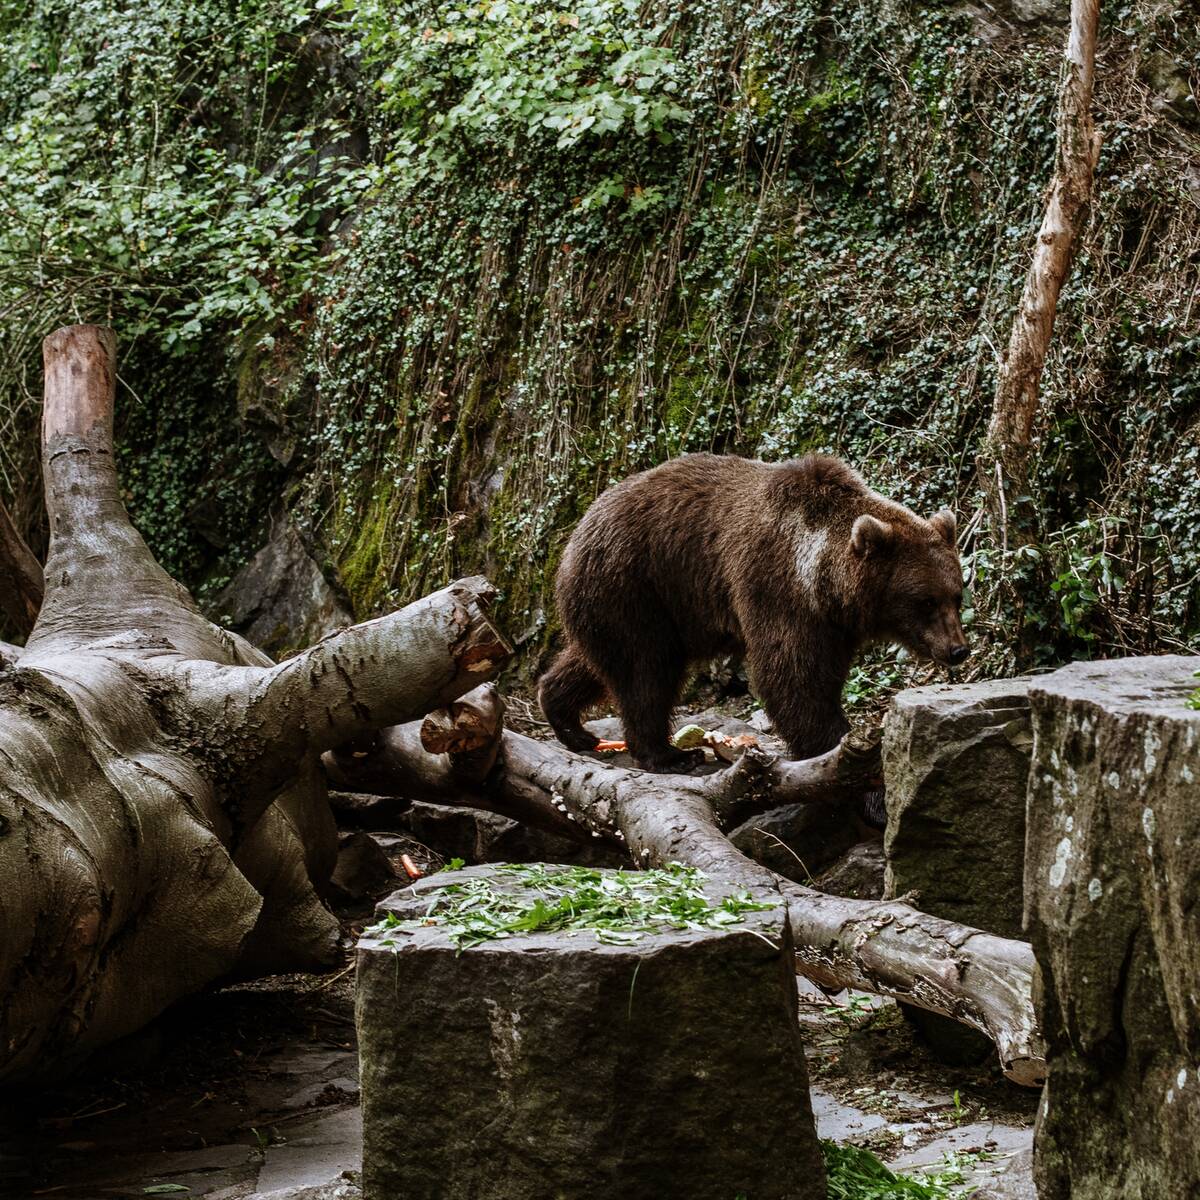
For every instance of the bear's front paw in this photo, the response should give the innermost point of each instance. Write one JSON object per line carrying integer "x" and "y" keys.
{"x": 671, "y": 761}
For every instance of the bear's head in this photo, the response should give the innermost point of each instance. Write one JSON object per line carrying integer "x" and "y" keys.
{"x": 916, "y": 575}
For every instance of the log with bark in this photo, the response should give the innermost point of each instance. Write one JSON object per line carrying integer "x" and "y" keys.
{"x": 164, "y": 820}
{"x": 884, "y": 947}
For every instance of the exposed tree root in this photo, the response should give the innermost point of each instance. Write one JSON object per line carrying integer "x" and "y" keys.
{"x": 164, "y": 819}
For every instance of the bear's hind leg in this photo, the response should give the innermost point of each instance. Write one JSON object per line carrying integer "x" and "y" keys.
{"x": 565, "y": 692}
{"x": 645, "y": 685}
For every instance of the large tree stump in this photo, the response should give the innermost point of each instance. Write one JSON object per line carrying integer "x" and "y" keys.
{"x": 552, "y": 1065}
{"x": 956, "y": 762}
{"x": 1113, "y": 893}
{"x": 164, "y": 820}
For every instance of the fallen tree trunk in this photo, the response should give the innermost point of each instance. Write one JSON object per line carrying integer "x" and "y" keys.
{"x": 884, "y": 947}
{"x": 164, "y": 820}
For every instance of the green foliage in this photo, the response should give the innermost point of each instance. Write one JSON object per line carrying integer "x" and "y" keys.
{"x": 460, "y": 77}
{"x": 168, "y": 171}
{"x": 485, "y": 258}
{"x": 853, "y": 1012}
{"x": 856, "y": 1174}
{"x": 619, "y": 907}
{"x": 142, "y": 174}
{"x": 1193, "y": 701}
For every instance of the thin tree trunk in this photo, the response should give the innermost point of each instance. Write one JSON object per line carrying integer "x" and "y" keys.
{"x": 20, "y": 577}
{"x": 164, "y": 820}
{"x": 1004, "y": 458}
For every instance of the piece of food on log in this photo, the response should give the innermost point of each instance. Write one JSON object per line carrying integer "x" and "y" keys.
{"x": 1113, "y": 892}
{"x": 567, "y": 1032}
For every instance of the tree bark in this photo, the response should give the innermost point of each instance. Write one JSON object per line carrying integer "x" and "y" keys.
{"x": 884, "y": 947}
{"x": 164, "y": 820}
{"x": 20, "y": 577}
{"x": 1003, "y": 461}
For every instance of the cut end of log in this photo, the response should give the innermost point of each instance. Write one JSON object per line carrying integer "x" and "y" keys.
{"x": 471, "y": 723}
{"x": 1026, "y": 1072}
{"x": 81, "y": 380}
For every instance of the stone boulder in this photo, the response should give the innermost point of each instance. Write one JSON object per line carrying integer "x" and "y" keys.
{"x": 1112, "y": 889}
{"x": 362, "y": 870}
{"x": 477, "y": 836}
{"x": 279, "y": 600}
{"x": 550, "y": 1065}
{"x": 858, "y": 874}
{"x": 956, "y": 763}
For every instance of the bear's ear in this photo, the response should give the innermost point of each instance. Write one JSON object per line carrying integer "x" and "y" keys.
{"x": 869, "y": 534}
{"x": 946, "y": 525}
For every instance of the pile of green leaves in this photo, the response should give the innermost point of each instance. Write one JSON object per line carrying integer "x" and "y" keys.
{"x": 619, "y": 907}
{"x": 856, "y": 1174}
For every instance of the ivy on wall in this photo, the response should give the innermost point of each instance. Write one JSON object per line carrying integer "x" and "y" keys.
{"x": 477, "y": 260}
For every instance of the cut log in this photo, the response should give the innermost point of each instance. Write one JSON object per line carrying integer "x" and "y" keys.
{"x": 889, "y": 948}
{"x": 1112, "y": 880}
{"x": 550, "y": 1064}
{"x": 163, "y": 816}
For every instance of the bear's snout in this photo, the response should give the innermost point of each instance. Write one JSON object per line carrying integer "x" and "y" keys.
{"x": 958, "y": 654}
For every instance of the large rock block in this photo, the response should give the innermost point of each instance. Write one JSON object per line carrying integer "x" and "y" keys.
{"x": 1113, "y": 895}
{"x": 549, "y": 1065}
{"x": 956, "y": 761}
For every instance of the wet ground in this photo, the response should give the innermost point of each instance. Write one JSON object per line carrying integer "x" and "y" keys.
{"x": 253, "y": 1092}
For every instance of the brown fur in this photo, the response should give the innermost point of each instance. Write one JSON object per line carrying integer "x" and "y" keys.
{"x": 794, "y": 565}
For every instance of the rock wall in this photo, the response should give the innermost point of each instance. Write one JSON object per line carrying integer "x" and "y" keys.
{"x": 1113, "y": 899}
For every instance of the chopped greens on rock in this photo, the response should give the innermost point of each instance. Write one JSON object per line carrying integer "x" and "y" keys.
{"x": 619, "y": 907}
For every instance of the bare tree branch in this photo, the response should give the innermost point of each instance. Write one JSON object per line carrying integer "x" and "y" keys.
{"x": 21, "y": 586}
{"x": 1003, "y": 460}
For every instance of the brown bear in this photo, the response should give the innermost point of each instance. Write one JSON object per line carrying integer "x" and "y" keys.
{"x": 795, "y": 565}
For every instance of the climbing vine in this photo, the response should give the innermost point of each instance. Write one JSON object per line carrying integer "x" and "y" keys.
{"x": 464, "y": 264}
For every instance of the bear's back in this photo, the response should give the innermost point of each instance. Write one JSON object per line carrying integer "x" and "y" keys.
{"x": 691, "y": 536}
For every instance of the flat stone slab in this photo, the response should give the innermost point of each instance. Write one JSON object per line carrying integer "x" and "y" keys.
{"x": 314, "y": 1153}
{"x": 551, "y": 1065}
